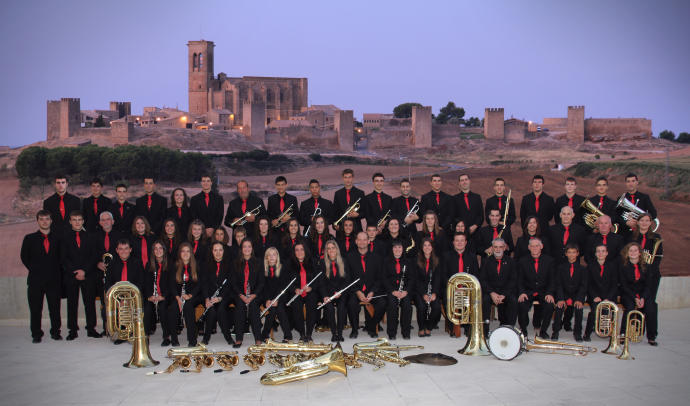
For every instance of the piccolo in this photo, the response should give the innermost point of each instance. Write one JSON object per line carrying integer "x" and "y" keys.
{"x": 302, "y": 290}
{"x": 338, "y": 293}
{"x": 277, "y": 297}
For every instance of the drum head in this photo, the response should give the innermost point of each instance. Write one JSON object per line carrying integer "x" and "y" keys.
{"x": 505, "y": 343}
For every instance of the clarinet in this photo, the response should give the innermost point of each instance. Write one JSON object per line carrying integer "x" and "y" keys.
{"x": 184, "y": 286}
{"x": 215, "y": 295}
{"x": 428, "y": 293}
{"x": 402, "y": 279}
{"x": 155, "y": 293}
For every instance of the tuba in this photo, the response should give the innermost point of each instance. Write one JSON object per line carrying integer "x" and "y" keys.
{"x": 125, "y": 321}
{"x": 633, "y": 332}
{"x": 464, "y": 306}
{"x": 606, "y": 325}
{"x": 594, "y": 213}
{"x": 334, "y": 360}
{"x": 631, "y": 211}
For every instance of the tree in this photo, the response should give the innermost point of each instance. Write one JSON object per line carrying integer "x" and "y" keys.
{"x": 667, "y": 135}
{"x": 473, "y": 122}
{"x": 684, "y": 138}
{"x": 451, "y": 114}
{"x": 404, "y": 110}
{"x": 100, "y": 122}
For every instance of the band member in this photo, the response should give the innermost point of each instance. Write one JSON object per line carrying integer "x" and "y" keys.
{"x": 613, "y": 242}
{"x": 367, "y": 266}
{"x": 125, "y": 268}
{"x": 60, "y": 204}
{"x": 291, "y": 237}
{"x": 536, "y": 282}
{"x": 565, "y": 232}
{"x": 399, "y": 274}
{"x": 460, "y": 228}
{"x": 77, "y": 258}
{"x": 105, "y": 241}
{"x": 281, "y": 201}
{"x": 196, "y": 236}
{"x": 601, "y": 201}
{"x": 40, "y": 255}
{"x": 432, "y": 230}
{"x": 240, "y": 206}
{"x": 122, "y": 210}
{"x": 648, "y": 239}
{"x": 314, "y": 206}
{"x": 221, "y": 235}
{"x": 377, "y": 203}
{"x": 94, "y": 205}
{"x": 570, "y": 199}
{"x": 439, "y": 202}
{"x": 468, "y": 205}
{"x": 530, "y": 230}
{"x": 602, "y": 284}
{"x": 401, "y": 208}
{"x": 395, "y": 232}
{"x": 428, "y": 288}
{"x": 247, "y": 284}
{"x": 537, "y": 203}
{"x": 171, "y": 237}
{"x": 498, "y": 202}
{"x": 572, "y": 289}
{"x": 277, "y": 278}
{"x": 185, "y": 294}
{"x": 207, "y": 206}
{"x": 374, "y": 244}
{"x": 347, "y": 196}
{"x": 156, "y": 286}
{"x": 179, "y": 208}
{"x": 459, "y": 259}
{"x": 492, "y": 231}
{"x": 216, "y": 292}
{"x": 636, "y": 287}
{"x": 238, "y": 235}
{"x": 498, "y": 276}
{"x": 303, "y": 268}
{"x": 151, "y": 205}
{"x": 318, "y": 235}
{"x": 264, "y": 236}
{"x": 346, "y": 237}
{"x": 639, "y": 199}
{"x": 141, "y": 239}
{"x": 336, "y": 277}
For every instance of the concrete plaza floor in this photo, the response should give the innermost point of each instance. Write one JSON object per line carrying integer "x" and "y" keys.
{"x": 88, "y": 371}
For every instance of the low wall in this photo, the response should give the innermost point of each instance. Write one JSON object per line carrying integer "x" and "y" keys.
{"x": 612, "y": 129}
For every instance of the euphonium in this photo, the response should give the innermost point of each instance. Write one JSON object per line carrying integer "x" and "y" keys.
{"x": 594, "y": 213}
{"x": 606, "y": 325}
{"x": 632, "y": 211}
{"x": 633, "y": 332}
{"x": 464, "y": 306}
{"x": 648, "y": 257}
{"x": 330, "y": 361}
{"x": 125, "y": 321}
{"x": 558, "y": 347}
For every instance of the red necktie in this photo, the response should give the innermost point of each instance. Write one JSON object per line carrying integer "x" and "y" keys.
{"x": 461, "y": 264}
{"x": 179, "y": 212}
{"x": 498, "y": 267}
{"x": 347, "y": 195}
{"x": 78, "y": 240}
{"x": 171, "y": 244}
{"x": 320, "y": 245}
{"x": 124, "y": 271}
{"x": 46, "y": 243}
{"x": 536, "y": 204}
{"x": 196, "y": 245}
{"x": 500, "y": 203}
{"x": 122, "y": 209}
{"x": 148, "y": 202}
{"x": 601, "y": 202}
{"x": 270, "y": 268}
{"x": 397, "y": 265}
{"x": 95, "y": 206}
{"x": 644, "y": 241}
{"x": 316, "y": 204}
{"x": 637, "y": 273}
{"x": 293, "y": 242}
{"x": 246, "y": 275}
{"x": 158, "y": 280}
{"x": 106, "y": 242}
{"x": 144, "y": 251}
{"x": 302, "y": 278}
{"x": 335, "y": 271}
{"x": 632, "y": 199}
{"x": 371, "y": 246}
{"x": 495, "y": 233}
{"x": 570, "y": 202}
{"x": 427, "y": 266}
{"x": 467, "y": 201}
{"x": 218, "y": 269}
{"x": 364, "y": 270}
{"x": 347, "y": 243}
{"x": 206, "y": 198}
{"x": 263, "y": 240}
{"x": 378, "y": 195}
{"x": 603, "y": 237}
{"x": 62, "y": 206}
{"x": 438, "y": 199}
{"x": 282, "y": 204}
{"x": 536, "y": 265}
{"x": 572, "y": 269}
{"x": 244, "y": 206}
{"x": 185, "y": 275}
{"x": 431, "y": 234}
{"x": 566, "y": 234}
{"x": 601, "y": 273}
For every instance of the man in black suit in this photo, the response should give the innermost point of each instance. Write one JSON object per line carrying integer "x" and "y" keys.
{"x": 498, "y": 202}
{"x": 401, "y": 206}
{"x": 498, "y": 277}
{"x": 614, "y": 243}
{"x": 347, "y": 196}
{"x": 315, "y": 202}
{"x": 468, "y": 206}
{"x": 566, "y": 232}
{"x": 571, "y": 292}
{"x": 538, "y": 204}
{"x": 487, "y": 234}
{"x": 243, "y": 203}
{"x": 440, "y": 202}
{"x": 377, "y": 203}
{"x": 122, "y": 210}
{"x": 570, "y": 199}
{"x": 60, "y": 205}
{"x": 207, "y": 206}
{"x": 125, "y": 268}
{"x": 368, "y": 267}
{"x": 637, "y": 198}
{"x": 77, "y": 257}
{"x": 94, "y": 205}
{"x": 536, "y": 282}
{"x": 459, "y": 259}
{"x": 280, "y": 202}
{"x": 152, "y": 206}
{"x": 40, "y": 255}
{"x": 601, "y": 201}
{"x": 105, "y": 241}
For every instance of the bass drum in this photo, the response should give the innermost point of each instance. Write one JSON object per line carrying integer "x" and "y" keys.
{"x": 506, "y": 343}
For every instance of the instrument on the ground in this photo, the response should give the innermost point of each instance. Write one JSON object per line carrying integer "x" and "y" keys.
{"x": 378, "y": 352}
{"x": 106, "y": 259}
{"x": 277, "y": 297}
{"x": 317, "y": 212}
{"x": 505, "y": 213}
{"x": 557, "y": 347}
{"x": 177, "y": 351}
{"x": 606, "y": 325}
{"x": 431, "y": 359}
{"x": 594, "y": 213}
{"x": 330, "y": 361}
{"x": 254, "y": 361}
{"x": 383, "y": 219}
{"x": 464, "y": 306}
{"x": 242, "y": 220}
{"x": 284, "y": 217}
{"x": 273, "y": 346}
{"x": 633, "y": 332}
{"x": 302, "y": 289}
{"x": 183, "y": 358}
{"x": 340, "y": 292}
{"x": 215, "y": 295}
{"x": 631, "y": 211}
{"x": 125, "y": 321}
{"x": 413, "y": 210}
{"x": 353, "y": 208}
{"x": 506, "y": 343}
{"x": 648, "y": 257}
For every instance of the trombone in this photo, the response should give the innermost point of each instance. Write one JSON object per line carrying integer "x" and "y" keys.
{"x": 353, "y": 208}
{"x": 284, "y": 217}
{"x": 242, "y": 220}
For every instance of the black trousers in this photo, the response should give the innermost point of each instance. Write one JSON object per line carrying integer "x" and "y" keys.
{"x": 589, "y": 327}
{"x": 336, "y": 307}
{"x": 541, "y": 317}
{"x": 507, "y": 311}
{"x": 309, "y": 302}
{"x": 35, "y": 293}
{"x": 279, "y": 311}
{"x": 650, "y": 311}
{"x": 154, "y": 313}
{"x": 244, "y": 311}
{"x": 212, "y": 318}
{"x": 424, "y": 322}
{"x": 188, "y": 314}
{"x": 88, "y": 297}
{"x": 564, "y": 315}
{"x": 226, "y": 317}
{"x": 370, "y": 322}
{"x": 399, "y": 307}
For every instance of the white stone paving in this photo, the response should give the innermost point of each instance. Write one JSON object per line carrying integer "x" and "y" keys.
{"x": 88, "y": 371}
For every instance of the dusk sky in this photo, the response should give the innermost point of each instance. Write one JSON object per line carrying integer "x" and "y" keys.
{"x": 534, "y": 58}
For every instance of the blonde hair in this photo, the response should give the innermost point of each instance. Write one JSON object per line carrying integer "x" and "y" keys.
{"x": 278, "y": 266}
{"x": 338, "y": 260}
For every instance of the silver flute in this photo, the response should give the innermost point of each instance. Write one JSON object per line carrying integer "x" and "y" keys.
{"x": 337, "y": 293}
{"x": 277, "y": 297}
{"x": 302, "y": 290}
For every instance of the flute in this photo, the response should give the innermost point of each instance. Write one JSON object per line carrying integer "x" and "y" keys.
{"x": 302, "y": 290}
{"x": 277, "y": 297}
{"x": 338, "y": 293}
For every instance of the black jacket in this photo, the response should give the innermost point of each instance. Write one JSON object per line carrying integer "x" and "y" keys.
{"x": 306, "y": 210}
{"x": 340, "y": 204}
{"x": 576, "y": 235}
{"x": 75, "y": 257}
{"x": 602, "y": 284}
{"x": 373, "y": 211}
{"x": 371, "y": 278}
{"x": 503, "y": 282}
{"x": 571, "y": 287}
{"x": 451, "y": 261}
{"x": 60, "y": 224}
{"x": 91, "y": 213}
{"x": 211, "y": 215}
{"x": 163, "y": 276}
{"x": 492, "y": 204}
{"x": 256, "y": 279}
{"x": 474, "y": 215}
{"x": 444, "y": 210}
{"x": 216, "y": 277}
{"x": 135, "y": 273}
{"x": 547, "y": 209}
{"x": 614, "y": 243}
{"x": 331, "y": 284}
{"x": 273, "y": 207}
{"x": 181, "y": 215}
{"x": 407, "y": 274}
{"x": 235, "y": 211}
{"x": 433, "y": 276}
{"x": 522, "y": 246}
{"x": 155, "y": 215}
{"x": 563, "y": 201}
{"x": 535, "y": 283}
{"x": 44, "y": 268}
{"x": 123, "y": 214}
{"x": 399, "y": 209}
{"x": 485, "y": 236}
{"x": 191, "y": 287}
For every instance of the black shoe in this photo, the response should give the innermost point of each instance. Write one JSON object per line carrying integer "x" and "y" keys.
{"x": 56, "y": 337}
{"x": 166, "y": 342}
{"x": 93, "y": 334}
{"x": 72, "y": 335}
{"x": 103, "y": 333}
{"x": 309, "y": 339}
{"x": 524, "y": 333}
{"x": 341, "y": 338}
{"x": 578, "y": 338}
{"x": 554, "y": 336}
{"x": 175, "y": 342}
{"x": 36, "y": 340}
{"x": 587, "y": 338}
{"x": 192, "y": 344}
{"x": 354, "y": 334}
{"x": 372, "y": 334}
{"x": 392, "y": 337}
{"x": 237, "y": 345}
{"x": 406, "y": 336}
{"x": 302, "y": 338}
{"x": 543, "y": 335}
{"x": 567, "y": 327}
{"x": 334, "y": 338}
{"x": 205, "y": 341}
{"x": 118, "y": 341}
{"x": 651, "y": 342}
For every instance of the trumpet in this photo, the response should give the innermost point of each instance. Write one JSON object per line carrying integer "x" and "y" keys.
{"x": 632, "y": 211}
{"x": 633, "y": 332}
{"x": 242, "y": 220}
{"x": 383, "y": 220}
{"x": 594, "y": 213}
{"x": 353, "y": 208}
{"x": 254, "y": 361}
{"x": 413, "y": 210}
{"x": 317, "y": 212}
{"x": 606, "y": 325}
{"x": 648, "y": 257}
{"x": 284, "y": 217}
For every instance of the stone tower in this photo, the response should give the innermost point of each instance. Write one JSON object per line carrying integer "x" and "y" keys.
{"x": 254, "y": 121}
{"x": 576, "y": 124}
{"x": 421, "y": 127}
{"x": 344, "y": 125}
{"x": 493, "y": 123}
{"x": 200, "y": 62}
{"x": 123, "y": 108}
{"x": 63, "y": 118}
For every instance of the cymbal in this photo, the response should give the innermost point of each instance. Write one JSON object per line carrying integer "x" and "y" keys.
{"x": 431, "y": 359}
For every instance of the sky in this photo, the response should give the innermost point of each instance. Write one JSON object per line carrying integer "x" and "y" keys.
{"x": 534, "y": 58}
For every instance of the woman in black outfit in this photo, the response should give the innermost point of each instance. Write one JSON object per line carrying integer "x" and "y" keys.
{"x": 247, "y": 283}
{"x": 277, "y": 278}
{"x": 185, "y": 293}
